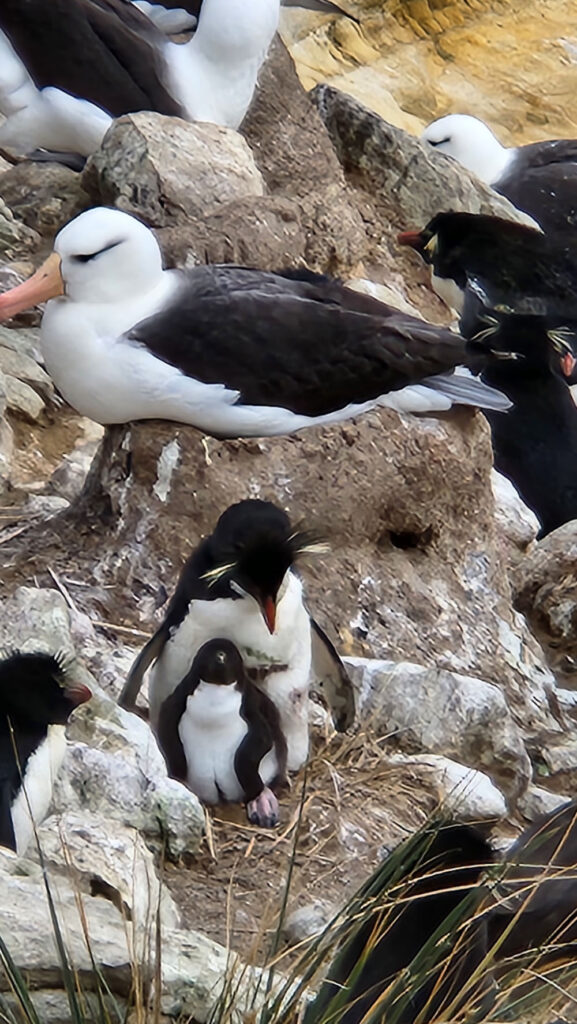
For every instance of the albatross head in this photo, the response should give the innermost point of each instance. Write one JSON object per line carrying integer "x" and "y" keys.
{"x": 103, "y": 255}
{"x": 471, "y": 142}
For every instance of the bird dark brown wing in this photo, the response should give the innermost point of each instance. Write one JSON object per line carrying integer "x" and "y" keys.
{"x": 104, "y": 51}
{"x": 294, "y": 343}
{"x": 542, "y": 181}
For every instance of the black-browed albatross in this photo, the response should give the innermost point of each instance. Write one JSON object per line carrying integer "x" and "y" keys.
{"x": 234, "y": 351}
{"x": 68, "y": 66}
{"x": 540, "y": 178}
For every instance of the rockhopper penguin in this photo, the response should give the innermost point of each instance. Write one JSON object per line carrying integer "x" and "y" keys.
{"x": 36, "y": 701}
{"x": 240, "y": 584}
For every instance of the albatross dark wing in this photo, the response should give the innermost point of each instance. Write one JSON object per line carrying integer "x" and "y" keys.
{"x": 104, "y": 51}
{"x": 301, "y": 344}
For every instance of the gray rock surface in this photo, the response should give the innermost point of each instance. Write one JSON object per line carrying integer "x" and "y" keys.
{"x": 18, "y": 364}
{"x": 24, "y": 340}
{"x": 463, "y": 792}
{"x": 517, "y": 524}
{"x": 440, "y": 712}
{"x": 545, "y": 590}
{"x": 168, "y": 171}
{"x": 410, "y": 178}
{"x": 44, "y": 196}
{"x": 101, "y": 857}
{"x": 194, "y": 969}
{"x": 6, "y": 442}
{"x": 22, "y": 400}
{"x": 15, "y": 237}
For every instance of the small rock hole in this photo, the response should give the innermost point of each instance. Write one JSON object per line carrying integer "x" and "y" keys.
{"x": 410, "y": 539}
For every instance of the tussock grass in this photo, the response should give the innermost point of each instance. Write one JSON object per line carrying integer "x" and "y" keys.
{"x": 285, "y": 986}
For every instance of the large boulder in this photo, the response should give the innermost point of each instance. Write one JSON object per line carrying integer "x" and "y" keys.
{"x": 414, "y": 574}
{"x": 441, "y": 712}
{"x": 166, "y": 170}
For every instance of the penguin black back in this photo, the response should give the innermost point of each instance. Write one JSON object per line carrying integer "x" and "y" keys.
{"x": 446, "y": 877}
{"x": 535, "y": 443}
{"x": 541, "y": 878}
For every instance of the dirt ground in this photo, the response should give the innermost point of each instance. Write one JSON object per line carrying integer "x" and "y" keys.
{"x": 355, "y": 808}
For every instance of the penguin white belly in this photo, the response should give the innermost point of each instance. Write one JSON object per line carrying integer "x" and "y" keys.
{"x": 211, "y": 731}
{"x": 36, "y": 793}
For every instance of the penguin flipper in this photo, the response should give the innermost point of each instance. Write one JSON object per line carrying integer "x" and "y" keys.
{"x": 7, "y": 836}
{"x": 149, "y": 653}
{"x": 332, "y": 680}
{"x": 168, "y": 736}
{"x": 264, "y": 733}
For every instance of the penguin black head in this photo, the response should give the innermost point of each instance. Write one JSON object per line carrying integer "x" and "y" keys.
{"x": 522, "y": 342}
{"x": 458, "y": 244}
{"x": 218, "y": 662}
{"x": 252, "y": 549}
{"x": 34, "y": 688}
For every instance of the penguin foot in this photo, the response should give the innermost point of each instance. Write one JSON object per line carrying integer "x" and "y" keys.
{"x": 264, "y": 810}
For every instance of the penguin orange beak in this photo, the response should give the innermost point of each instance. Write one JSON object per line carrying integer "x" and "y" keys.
{"x": 568, "y": 364}
{"x": 412, "y": 238}
{"x": 78, "y": 693}
{"x": 269, "y": 613}
{"x": 45, "y": 284}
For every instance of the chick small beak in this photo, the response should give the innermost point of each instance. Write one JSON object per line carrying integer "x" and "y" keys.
{"x": 412, "y": 238}
{"x": 45, "y": 284}
{"x": 78, "y": 694}
{"x": 269, "y": 613}
{"x": 568, "y": 363}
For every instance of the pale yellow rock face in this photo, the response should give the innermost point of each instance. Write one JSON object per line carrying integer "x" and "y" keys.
{"x": 512, "y": 63}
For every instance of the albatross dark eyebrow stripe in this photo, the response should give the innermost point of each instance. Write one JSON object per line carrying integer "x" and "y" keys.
{"x": 86, "y": 257}
{"x": 439, "y": 142}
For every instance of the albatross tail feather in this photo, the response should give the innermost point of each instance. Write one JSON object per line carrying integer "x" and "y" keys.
{"x": 466, "y": 390}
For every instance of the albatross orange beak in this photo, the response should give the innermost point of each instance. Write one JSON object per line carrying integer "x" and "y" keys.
{"x": 269, "y": 613}
{"x": 45, "y": 284}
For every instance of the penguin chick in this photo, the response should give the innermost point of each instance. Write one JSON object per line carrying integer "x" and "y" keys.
{"x": 221, "y": 735}
{"x": 36, "y": 701}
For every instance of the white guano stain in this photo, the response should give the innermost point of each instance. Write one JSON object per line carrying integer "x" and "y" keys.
{"x": 167, "y": 463}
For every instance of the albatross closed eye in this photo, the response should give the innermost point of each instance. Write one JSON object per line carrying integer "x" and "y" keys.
{"x": 86, "y": 257}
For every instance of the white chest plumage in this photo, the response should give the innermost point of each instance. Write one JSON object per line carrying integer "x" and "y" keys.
{"x": 39, "y": 776}
{"x": 211, "y": 731}
{"x": 241, "y": 621}
{"x": 214, "y": 75}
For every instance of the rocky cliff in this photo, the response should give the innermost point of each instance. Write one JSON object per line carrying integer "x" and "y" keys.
{"x": 458, "y": 703}
{"x": 509, "y": 62}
